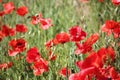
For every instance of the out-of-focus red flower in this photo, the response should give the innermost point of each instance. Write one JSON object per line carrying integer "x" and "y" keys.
{"x": 104, "y": 52}
{"x": 22, "y": 11}
{"x": 110, "y": 24}
{"x": 45, "y": 23}
{"x": 114, "y": 74}
{"x": 92, "y": 39}
{"x": 104, "y": 29}
{"x": 92, "y": 60}
{"x": 40, "y": 66}
{"x": 62, "y": 37}
{"x": 7, "y": 31}
{"x": 87, "y": 45}
{"x": 21, "y": 28}
{"x": 81, "y": 49}
{"x": 82, "y": 74}
{"x": 76, "y": 33}
{"x": 116, "y": 2}
{"x": 18, "y": 45}
{"x": 64, "y": 72}
{"x": 0, "y": 1}
{"x": 110, "y": 27}
{"x": 36, "y": 19}
{"x": 32, "y": 55}
{"x": 6, "y": 65}
{"x": 8, "y": 7}
{"x": 2, "y": 13}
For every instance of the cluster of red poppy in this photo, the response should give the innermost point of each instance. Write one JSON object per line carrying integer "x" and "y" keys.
{"x": 40, "y": 65}
{"x": 110, "y": 27}
{"x": 9, "y": 7}
{"x": 44, "y": 23}
{"x": 93, "y": 66}
{"x": 19, "y": 45}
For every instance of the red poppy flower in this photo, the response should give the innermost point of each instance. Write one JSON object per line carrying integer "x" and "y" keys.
{"x": 77, "y": 33}
{"x": 36, "y": 19}
{"x": 6, "y": 65}
{"x": 62, "y": 37}
{"x": 92, "y": 60}
{"x": 87, "y": 45}
{"x": 104, "y": 52}
{"x": 82, "y": 74}
{"x": 82, "y": 49}
{"x": 40, "y": 66}
{"x": 111, "y": 27}
{"x": 2, "y": 13}
{"x": 116, "y": 2}
{"x": 92, "y": 39}
{"x": 64, "y": 71}
{"x": 18, "y": 45}
{"x": 110, "y": 24}
{"x": 7, "y": 31}
{"x": 32, "y": 55}
{"x": 8, "y": 7}
{"x": 22, "y": 11}
{"x": 45, "y": 23}
{"x": 21, "y": 28}
{"x": 104, "y": 29}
